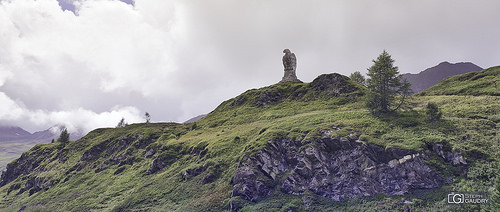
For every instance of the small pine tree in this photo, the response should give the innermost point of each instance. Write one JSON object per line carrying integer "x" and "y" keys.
{"x": 147, "y": 117}
{"x": 122, "y": 123}
{"x": 358, "y": 77}
{"x": 64, "y": 136}
{"x": 433, "y": 112}
{"x": 385, "y": 83}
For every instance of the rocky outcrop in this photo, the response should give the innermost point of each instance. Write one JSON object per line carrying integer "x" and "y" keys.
{"x": 326, "y": 85}
{"x": 164, "y": 159}
{"x": 26, "y": 164}
{"x": 112, "y": 146}
{"x": 35, "y": 184}
{"x": 333, "y": 84}
{"x": 331, "y": 167}
{"x": 98, "y": 157}
{"x": 190, "y": 173}
{"x": 453, "y": 157}
{"x": 116, "y": 152}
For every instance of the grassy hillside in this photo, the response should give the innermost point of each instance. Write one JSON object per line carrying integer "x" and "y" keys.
{"x": 10, "y": 150}
{"x": 486, "y": 82}
{"x": 189, "y": 167}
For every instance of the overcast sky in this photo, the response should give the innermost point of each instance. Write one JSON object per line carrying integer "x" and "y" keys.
{"x": 88, "y": 63}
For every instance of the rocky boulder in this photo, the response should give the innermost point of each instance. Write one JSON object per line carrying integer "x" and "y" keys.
{"x": 331, "y": 167}
{"x": 445, "y": 152}
{"x": 333, "y": 84}
{"x": 28, "y": 163}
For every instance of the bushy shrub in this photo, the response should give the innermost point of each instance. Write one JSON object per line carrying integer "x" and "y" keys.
{"x": 483, "y": 171}
{"x": 433, "y": 112}
{"x": 407, "y": 122}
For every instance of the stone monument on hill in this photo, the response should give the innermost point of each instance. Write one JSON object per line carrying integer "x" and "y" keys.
{"x": 290, "y": 64}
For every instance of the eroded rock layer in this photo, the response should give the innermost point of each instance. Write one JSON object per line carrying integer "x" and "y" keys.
{"x": 333, "y": 168}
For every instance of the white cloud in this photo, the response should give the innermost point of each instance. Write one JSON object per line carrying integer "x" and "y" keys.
{"x": 180, "y": 58}
{"x": 85, "y": 120}
{"x": 9, "y": 109}
{"x": 75, "y": 120}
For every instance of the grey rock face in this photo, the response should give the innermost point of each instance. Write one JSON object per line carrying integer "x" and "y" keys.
{"x": 290, "y": 65}
{"x": 333, "y": 168}
{"x": 25, "y": 165}
{"x": 36, "y": 184}
{"x": 455, "y": 157}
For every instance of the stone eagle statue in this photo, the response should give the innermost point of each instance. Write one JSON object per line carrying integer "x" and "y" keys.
{"x": 290, "y": 64}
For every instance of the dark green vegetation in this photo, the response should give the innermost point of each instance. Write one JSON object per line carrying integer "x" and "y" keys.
{"x": 64, "y": 136}
{"x": 122, "y": 123}
{"x": 385, "y": 83}
{"x": 433, "y": 113}
{"x": 189, "y": 167}
{"x": 358, "y": 77}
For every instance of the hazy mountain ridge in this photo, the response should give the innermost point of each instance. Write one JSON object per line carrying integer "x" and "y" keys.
{"x": 14, "y": 133}
{"x": 485, "y": 82}
{"x": 433, "y": 75}
{"x": 196, "y": 118}
{"x": 11, "y": 133}
{"x": 289, "y": 146}
{"x": 15, "y": 140}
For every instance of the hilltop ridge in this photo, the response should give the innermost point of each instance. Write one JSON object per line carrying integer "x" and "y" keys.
{"x": 15, "y": 140}
{"x": 288, "y": 146}
{"x": 485, "y": 82}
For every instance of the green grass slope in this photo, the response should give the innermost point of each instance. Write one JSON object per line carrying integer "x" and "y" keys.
{"x": 10, "y": 150}
{"x": 189, "y": 167}
{"x": 486, "y": 82}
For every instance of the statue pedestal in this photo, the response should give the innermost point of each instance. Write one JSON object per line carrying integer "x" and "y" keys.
{"x": 289, "y": 76}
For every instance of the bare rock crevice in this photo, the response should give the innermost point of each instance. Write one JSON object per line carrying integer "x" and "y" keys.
{"x": 332, "y": 168}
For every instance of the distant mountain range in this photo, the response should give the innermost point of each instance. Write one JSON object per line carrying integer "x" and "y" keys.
{"x": 196, "y": 118}
{"x": 431, "y": 76}
{"x": 12, "y": 133}
{"x": 15, "y": 140}
{"x": 483, "y": 83}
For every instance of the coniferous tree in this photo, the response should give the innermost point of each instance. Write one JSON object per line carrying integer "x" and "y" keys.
{"x": 385, "y": 83}
{"x": 147, "y": 117}
{"x": 122, "y": 123}
{"x": 358, "y": 77}
{"x": 64, "y": 136}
